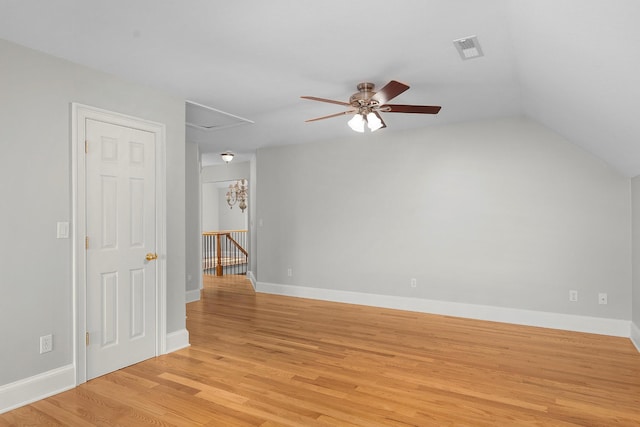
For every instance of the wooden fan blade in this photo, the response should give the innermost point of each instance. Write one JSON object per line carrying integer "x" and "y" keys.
{"x": 418, "y": 109}
{"x": 390, "y": 91}
{"x": 331, "y": 101}
{"x": 331, "y": 115}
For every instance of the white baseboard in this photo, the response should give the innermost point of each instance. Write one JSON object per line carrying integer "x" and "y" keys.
{"x": 41, "y": 386}
{"x": 28, "y": 390}
{"x": 569, "y": 322}
{"x": 177, "y": 340}
{"x": 192, "y": 296}
{"x": 635, "y": 335}
{"x": 252, "y": 279}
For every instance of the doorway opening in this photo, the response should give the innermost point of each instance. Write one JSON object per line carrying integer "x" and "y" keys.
{"x": 225, "y": 225}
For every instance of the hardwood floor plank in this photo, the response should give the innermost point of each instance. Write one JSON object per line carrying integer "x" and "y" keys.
{"x": 267, "y": 360}
{"x": 28, "y": 416}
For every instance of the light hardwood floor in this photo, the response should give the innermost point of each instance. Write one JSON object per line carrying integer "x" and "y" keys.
{"x": 265, "y": 360}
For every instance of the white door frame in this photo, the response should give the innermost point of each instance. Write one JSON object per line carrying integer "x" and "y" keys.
{"x": 79, "y": 113}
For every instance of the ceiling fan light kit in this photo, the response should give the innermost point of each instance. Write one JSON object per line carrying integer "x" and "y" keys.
{"x": 374, "y": 122}
{"x": 357, "y": 123}
{"x": 366, "y": 105}
{"x": 371, "y": 119}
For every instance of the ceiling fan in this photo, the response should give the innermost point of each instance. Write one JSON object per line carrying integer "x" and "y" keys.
{"x": 366, "y": 105}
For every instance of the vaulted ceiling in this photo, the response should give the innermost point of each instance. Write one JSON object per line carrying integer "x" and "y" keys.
{"x": 571, "y": 65}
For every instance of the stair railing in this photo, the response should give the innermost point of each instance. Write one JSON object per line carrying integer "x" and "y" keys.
{"x": 224, "y": 251}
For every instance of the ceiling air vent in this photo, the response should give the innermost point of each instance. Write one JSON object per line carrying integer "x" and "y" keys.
{"x": 468, "y": 47}
{"x": 206, "y": 118}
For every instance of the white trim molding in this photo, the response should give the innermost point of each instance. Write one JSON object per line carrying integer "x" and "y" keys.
{"x": 635, "y": 335}
{"x": 569, "y": 322}
{"x": 252, "y": 279}
{"x": 192, "y": 296}
{"x": 29, "y": 390}
{"x": 177, "y": 340}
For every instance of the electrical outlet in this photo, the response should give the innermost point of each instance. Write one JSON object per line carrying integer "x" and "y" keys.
{"x": 289, "y": 272}
{"x": 46, "y": 343}
{"x": 573, "y": 296}
{"x": 414, "y": 283}
{"x": 602, "y": 298}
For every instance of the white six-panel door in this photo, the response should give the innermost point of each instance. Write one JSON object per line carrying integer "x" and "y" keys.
{"x": 121, "y": 232}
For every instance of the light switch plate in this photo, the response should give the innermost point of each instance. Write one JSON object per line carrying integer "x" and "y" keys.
{"x": 63, "y": 230}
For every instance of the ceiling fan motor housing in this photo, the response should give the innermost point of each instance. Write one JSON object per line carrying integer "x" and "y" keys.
{"x": 362, "y": 98}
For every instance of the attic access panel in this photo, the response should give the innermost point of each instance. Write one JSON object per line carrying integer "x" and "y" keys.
{"x": 207, "y": 118}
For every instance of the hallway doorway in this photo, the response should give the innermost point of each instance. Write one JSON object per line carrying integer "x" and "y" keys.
{"x": 225, "y": 223}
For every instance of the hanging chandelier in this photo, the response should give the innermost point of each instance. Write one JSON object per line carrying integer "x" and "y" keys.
{"x": 238, "y": 194}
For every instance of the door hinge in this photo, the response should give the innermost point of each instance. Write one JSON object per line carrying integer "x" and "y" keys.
{"x": 86, "y": 337}
{"x": 86, "y": 242}
{"x": 86, "y": 146}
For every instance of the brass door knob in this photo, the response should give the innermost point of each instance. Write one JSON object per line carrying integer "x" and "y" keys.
{"x": 151, "y": 256}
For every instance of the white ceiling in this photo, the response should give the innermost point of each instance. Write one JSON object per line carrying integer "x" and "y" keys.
{"x": 572, "y": 65}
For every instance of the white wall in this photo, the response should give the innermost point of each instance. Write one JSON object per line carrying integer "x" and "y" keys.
{"x": 216, "y": 214}
{"x": 210, "y": 206}
{"x": 193, "y": 267}
{"x": 635, "y": 328}
{"x": 35, "y": 171}
{"x": 253, "y": 241}
{"x": 226, "y": 172}
{"x": 215, "y": 183}
{"x": 499, "y": 213}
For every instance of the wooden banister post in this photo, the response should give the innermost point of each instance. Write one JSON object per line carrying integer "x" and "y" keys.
{"x": 219, "y": 256}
